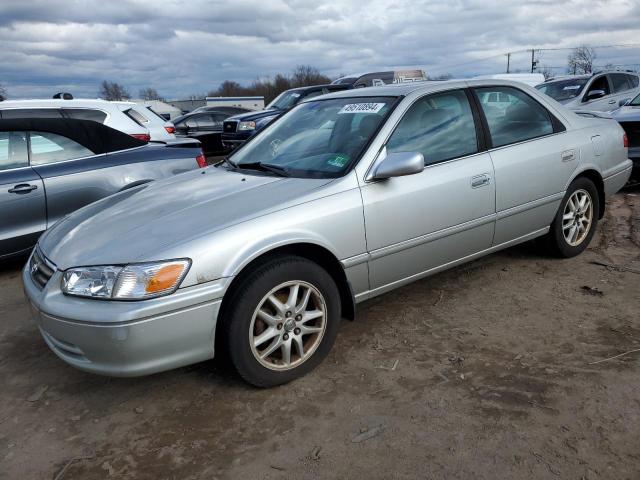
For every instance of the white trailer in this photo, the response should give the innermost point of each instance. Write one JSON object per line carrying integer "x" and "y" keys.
{"x": 252, "y": 103}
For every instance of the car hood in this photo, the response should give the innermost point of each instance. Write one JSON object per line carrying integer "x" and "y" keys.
{"x": 253, "y": 116}
{"x": 627, "y": 114}
{"x": 137, "y": 224}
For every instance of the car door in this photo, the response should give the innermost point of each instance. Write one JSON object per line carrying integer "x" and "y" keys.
{"x": 23, "y": 213}
{"x": 417, "y": 223}
{"x": 603, "y": 103}
{"x": 69, "y": 181}
{"x": 533, "y": 157}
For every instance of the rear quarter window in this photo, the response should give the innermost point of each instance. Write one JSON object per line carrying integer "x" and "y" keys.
{"x": 136, "y": 116}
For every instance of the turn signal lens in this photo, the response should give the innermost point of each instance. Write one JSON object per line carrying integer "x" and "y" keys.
{"x": 164, "y": 278}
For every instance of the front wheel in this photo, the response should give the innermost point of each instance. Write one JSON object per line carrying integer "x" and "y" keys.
{"x": 282, "y": 321}
{"x": 575, "y": 222}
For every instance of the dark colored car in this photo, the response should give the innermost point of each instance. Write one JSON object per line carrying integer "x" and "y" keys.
{"x": 629, "y": 118}
{"x": 51, "y": 167}
{"x": 238, "y": 129}
{"x": 206, "y": 126}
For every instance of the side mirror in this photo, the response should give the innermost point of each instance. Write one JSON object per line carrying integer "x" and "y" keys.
{"x": 625, "y": 102}
{"x": 594, "y": 94}
{"x": 398, "y": 164}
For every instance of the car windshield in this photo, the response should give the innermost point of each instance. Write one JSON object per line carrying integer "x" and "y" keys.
{"x": 285, "y": 100}
{"x": 563, "y": 89}
{"x": 635, "y": 102}
{"x": 318, "y": 139}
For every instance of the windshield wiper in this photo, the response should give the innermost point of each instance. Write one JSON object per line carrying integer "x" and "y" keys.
{"x": 267, "y": 167}
{"x": 226, "y": 160}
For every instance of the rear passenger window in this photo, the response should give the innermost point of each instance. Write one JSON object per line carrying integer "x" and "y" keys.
{"x": 13, "y": 150}
{"x": 620, "y": 82}
{"x": 517, "y": 118}
{"x": 49, "y": 148}
{"x": 31, "y": 113}
{"x": 439, "y": 126}
{"x": 85, "y": 114}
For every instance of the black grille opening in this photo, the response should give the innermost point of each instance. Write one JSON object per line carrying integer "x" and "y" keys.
{"x": 229, "y": 127}
{"x": 41, "y": 270}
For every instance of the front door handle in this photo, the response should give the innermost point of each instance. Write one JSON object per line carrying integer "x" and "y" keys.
{"x": 611, "y": 102}
{"x": 478, "y": 181}
{"x": 23, "y": 188}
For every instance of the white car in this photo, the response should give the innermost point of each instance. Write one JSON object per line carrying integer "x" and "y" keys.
{"x": 601, "y": 91}
{"x": 136, "y": 120}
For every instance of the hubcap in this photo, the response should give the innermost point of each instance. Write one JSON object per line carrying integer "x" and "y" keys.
{"x": 577, "y": 217}
{"x": 288, "y": 325}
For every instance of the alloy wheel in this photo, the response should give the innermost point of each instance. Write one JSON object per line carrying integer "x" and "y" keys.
{"x": 577, "y": 217}
{"x": 288, "y": 325}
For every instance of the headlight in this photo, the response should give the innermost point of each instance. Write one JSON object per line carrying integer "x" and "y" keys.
{"x": 247, "y": 126}
{"x": 129, "y": 282}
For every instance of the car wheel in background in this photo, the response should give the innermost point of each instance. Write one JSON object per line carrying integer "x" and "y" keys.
{"x": 575, "y": 222}
{"x": 281, "y": 321}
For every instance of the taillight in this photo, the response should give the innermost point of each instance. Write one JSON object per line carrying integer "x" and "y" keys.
{"x": 170, "y": 129}
{"x": 201, "y": 160}
{"x": 145, "y": 137}
{"x": 625, "y": 141}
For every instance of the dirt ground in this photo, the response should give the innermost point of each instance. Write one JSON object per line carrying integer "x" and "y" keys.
{"x": 486, "y": 371}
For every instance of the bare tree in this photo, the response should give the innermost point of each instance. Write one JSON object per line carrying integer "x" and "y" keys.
{"x": 149, "y": 94}
{"x": 113, "y": 91}
{"x": 3, "y": 93}
{"x": 228, "y": 88}
{"x": 305, "y": 75}
{"x": 581, "y": 60}
{"x": 546, "y": 71}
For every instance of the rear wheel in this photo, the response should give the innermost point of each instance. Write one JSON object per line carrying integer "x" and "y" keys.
{"x": 282, "y": 321}
{"x": 575, "y": 222}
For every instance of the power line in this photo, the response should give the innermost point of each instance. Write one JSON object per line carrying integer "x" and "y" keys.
{"x": 532, "y": 51}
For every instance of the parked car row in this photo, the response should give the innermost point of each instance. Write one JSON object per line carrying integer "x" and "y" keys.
{"x": 343, "y": 197}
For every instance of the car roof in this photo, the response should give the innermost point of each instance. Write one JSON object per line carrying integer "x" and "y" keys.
{"x": 330, "y": 86}
{"x": 61, "y": 103}
{"x": 93, "y": 135}
{"x": 426, "y": 86}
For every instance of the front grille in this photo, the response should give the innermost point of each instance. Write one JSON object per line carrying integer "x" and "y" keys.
{"x": 633, "y": 133}
{"x": 230, "y": 126}
{"x": 40, "y": 268}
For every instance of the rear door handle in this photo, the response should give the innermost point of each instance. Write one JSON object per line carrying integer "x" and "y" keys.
{"x": 23, "y": 188}
{"x": 611, "y": 102}
{"x": 478, "y": 181}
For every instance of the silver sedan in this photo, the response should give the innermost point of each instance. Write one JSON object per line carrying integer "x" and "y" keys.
{"x": 345, "y": 197}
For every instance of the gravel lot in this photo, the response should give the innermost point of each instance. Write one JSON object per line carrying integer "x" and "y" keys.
{"x": 485, "y": 371}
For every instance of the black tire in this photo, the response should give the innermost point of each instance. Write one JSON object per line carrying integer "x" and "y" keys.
{"x": 238, "y": 315}
{"x": 554, "y": 242}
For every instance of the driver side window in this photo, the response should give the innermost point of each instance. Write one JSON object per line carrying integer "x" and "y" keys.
{"x": 439, "y": 126}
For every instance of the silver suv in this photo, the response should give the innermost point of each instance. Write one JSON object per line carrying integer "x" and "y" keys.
{"x": 601, "y": 91}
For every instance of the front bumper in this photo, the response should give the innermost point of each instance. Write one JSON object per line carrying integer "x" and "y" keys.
{"x": 126, "y": 339}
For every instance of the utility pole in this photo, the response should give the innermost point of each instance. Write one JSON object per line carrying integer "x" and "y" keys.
{"x": 533, "y": 60}
{"x": 508, "y": 61}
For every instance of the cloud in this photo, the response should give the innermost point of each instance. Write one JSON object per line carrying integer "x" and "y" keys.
{"x": 189, "y": 47}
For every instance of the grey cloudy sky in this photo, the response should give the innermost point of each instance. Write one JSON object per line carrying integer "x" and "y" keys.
{"x": 189, "y": 47}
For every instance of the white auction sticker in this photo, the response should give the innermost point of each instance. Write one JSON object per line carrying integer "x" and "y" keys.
{"x": 361, "y": 108}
